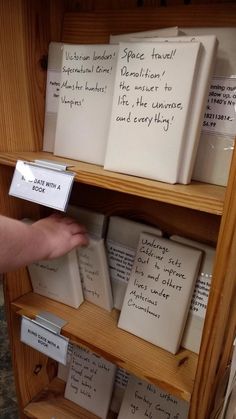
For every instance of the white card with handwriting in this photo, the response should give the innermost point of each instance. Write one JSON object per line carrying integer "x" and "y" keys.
{"x": 159, "y": 291}
{"x": 143, "y": 400}
{"x": 90, "y": 381}
{"x": 87, "y": 81}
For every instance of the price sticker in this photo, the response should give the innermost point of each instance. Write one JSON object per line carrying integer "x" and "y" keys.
{"x": 44, "y": 340}
{"x": 48, "y": 185}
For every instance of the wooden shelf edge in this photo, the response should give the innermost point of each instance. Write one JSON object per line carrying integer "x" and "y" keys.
{"x": 199, "y": 196}
{"x": 96, "y": 329}
{"x": 50, "y": 402}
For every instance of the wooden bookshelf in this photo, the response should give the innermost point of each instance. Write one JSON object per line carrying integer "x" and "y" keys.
{"x": 50, "y": 402}
{"x": 97, "y": 329}
{"x": 198, "y": 211}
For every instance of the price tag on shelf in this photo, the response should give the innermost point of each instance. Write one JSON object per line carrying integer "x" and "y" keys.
{"x": 46, "y": 183}
{"x": 44, "y": 340}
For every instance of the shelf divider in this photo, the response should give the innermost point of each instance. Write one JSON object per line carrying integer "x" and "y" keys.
{"x": 96, "y": 329}
{"x": 199, "y": 196}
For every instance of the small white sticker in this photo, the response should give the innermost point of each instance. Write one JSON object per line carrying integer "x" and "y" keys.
{"x": 42, "y": 185}
{"x": 221, "y": 107}
{"x": 45, "y": 341}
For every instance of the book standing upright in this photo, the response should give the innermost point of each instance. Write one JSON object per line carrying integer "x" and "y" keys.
{"x": 151, "y": 105}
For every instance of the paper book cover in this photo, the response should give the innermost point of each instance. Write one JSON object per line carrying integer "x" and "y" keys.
{"x": 87, "y": 82}
{"x": 151, "y": 105}
{"x": 194, "y": 326}
{"x": 90, "y": 381}
{"x": 58, "y": 279}
{"x": 172, "y": 31}
{"x": 52, "y": 94}
{"x": 63, "y": 370}
{"x": 95, "y": 222}
{"x": 121, "y": 243}
{"x": 94, "y": 274}
{"x": 119, "y": 388}
{"x": 217, "y": 139}
{"x": 144, "y": 400}
{"x": 159, "y": 291}
{"x": 206, "y": 62}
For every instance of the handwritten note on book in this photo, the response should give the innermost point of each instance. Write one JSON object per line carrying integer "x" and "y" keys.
{"x": 159, "y": 291}
{"x": 151, "y": 101}
{"x": 95, "y": 274}
{"x": 90, "y": 381}
{"x": 87, "y": 80}
{"x": 143, "y": 400}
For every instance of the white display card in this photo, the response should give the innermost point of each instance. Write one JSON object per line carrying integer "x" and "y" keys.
{"x": 58, "y": 279}
{"x": 87, "y": 81}
{"x": 44, "y": 340}
{"x": 159, "y": 291}
{"x": 41, "y": 185}
{"x": 94, "y": 274}
{"x": 151, "y": 104}
{"x": 90, "y": 381}
{"x": 122, "y": 240}
{"x": 143, "y": 400}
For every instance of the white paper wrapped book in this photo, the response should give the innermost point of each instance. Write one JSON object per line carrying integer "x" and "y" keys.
{"x": 143, "y": 400}
{"x": 52, "y": 94}
{"x": 58, "y": 279}
{"x": 87, "y": 81}
{"x": 159, "y": 291}
{"x": 194, "y": 326}
{"x": 121, "y": 242}
{"x": 217, "y": 140}
{"x": 151, "y": 106}
{"x": 206, "y": 64}
{"x": 93, "y": 264}
{"x": 90, "y": 381}
{"x": 94, "y": 272}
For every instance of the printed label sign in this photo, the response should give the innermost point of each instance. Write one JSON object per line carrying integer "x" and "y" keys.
{"x": 220, "y": 111}
{"x": 42, "y": 185}
{"x": 200, "y": 296}
{"x": 121, "y": 259}
{"x": 45, "y": 341}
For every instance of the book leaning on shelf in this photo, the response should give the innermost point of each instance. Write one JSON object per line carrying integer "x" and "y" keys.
{"x": 92, "y": 259}
{"x": 206, "y": 62}
{"x": 144, "y": 400}
{"x": 58, "y": 279}
{"x": 192, "y": 335}
{"x": 90, "y": 381}
{"x": 121, "y": 243}
{"x": 159, "y": 291}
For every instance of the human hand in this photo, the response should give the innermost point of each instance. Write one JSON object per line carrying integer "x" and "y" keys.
{"x": 58, "y": 234}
